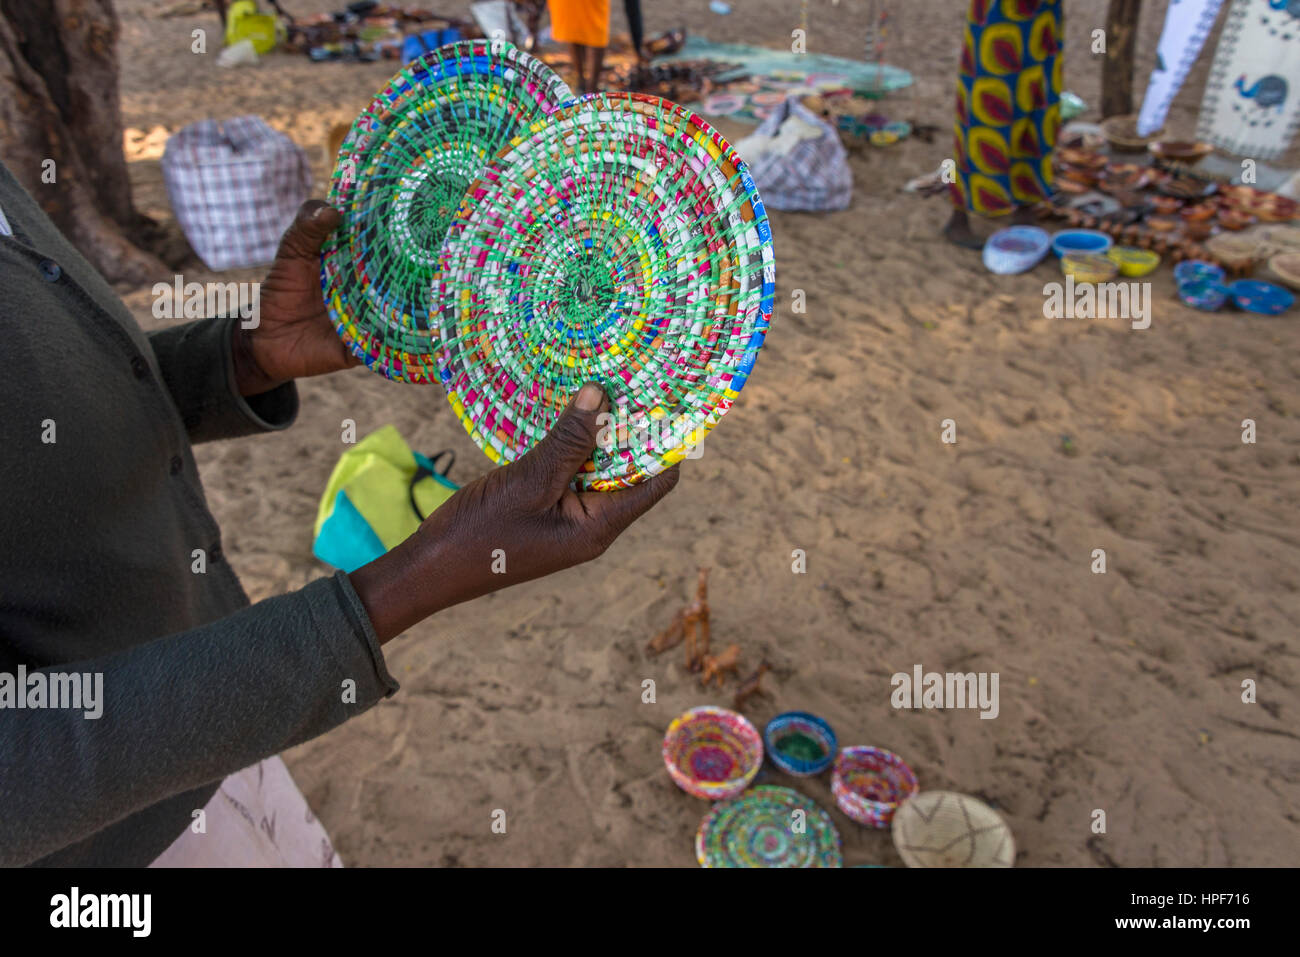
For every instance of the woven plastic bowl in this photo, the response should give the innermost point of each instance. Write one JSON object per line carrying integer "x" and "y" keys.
{"x": 768, "y": 826}
{"x": 1203, "y": 294}
{"x": 1262, "y": 298}
{"x": 1197, "y": 270}
{"x": 870, "y": 783}
{"x": 794, "y": 739}
{"x": 400, "y": 178}
{"x": 621, "y": 241}
{"x": 712, "y": 753}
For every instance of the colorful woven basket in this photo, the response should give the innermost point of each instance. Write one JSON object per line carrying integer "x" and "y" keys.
{"x": 621, "y": 241}
{"x": 768, "y": 827}
{"x": 800, "y": 743}
{"x": 870, "y": 783}
{"x": 712, "y": 753}
{"x": 401, "y": 176}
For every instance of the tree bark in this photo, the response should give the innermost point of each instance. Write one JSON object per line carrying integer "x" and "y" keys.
{"x": 1117, "y": 68}
{"x": 59, "y": 101}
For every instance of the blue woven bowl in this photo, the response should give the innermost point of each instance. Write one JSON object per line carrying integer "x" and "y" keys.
{"x": 1197, "y": 270}
{"x": 1080, "y": 241}
{"x": 1262, "y": 298}
{"x": 1016, "y": 249}
{"x": 1203, "y": 294}
{"x": 785, "y": 726}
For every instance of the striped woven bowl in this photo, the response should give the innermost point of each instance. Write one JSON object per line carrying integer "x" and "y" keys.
{"x": 712, "y": 753}
{"x": 870, "y": 783}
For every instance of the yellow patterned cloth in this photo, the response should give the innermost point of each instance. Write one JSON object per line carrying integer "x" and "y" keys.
{"x": 1008, "y": 104}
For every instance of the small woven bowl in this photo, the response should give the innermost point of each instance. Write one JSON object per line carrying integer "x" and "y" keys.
{"x": 1261, "y": 298}
{"x": 1080, "y": 241}
{"x": 789, "y": 734}
{"x": 1197, "y": 270}
{"x": 712, "y": 753}
{"x": 870, "y": 783}
{"x": 1203, "y": 294}
{"x": 1286, "y": 266}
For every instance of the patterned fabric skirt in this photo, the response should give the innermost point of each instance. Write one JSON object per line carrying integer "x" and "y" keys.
{"x": 1008, "y": 104}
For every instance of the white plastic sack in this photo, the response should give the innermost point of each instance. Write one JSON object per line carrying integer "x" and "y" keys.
{"x": 797, "y": 160}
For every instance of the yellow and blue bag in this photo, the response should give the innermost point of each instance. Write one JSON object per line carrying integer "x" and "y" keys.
{"x": 377, "y": 496}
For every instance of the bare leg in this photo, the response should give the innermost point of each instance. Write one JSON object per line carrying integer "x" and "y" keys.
{"x": 597, "y": 65}
{"x": 580, "y": 64}
{"x": 958, "y": 231}
{"x": 1024, "y": 216}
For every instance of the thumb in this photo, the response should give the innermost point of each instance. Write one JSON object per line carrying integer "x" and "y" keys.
{"x": 303, "y": 238}
{"x": 572, "y": 439}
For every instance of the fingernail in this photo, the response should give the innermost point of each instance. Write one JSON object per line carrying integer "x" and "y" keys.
{"x": 589, "y": 398}
{"x": 320, "y": 212}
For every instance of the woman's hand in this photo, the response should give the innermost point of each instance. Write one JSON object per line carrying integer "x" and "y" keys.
{"x": 516, "y": 523}
{"x": 294, "y": 337}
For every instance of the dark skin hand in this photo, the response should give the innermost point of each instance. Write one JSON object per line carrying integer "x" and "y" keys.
{"x": 525, "y": 509}
{"x": 294, "y": 338}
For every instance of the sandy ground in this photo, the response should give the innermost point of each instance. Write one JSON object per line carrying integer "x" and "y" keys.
{"x": 1119, "y": 692}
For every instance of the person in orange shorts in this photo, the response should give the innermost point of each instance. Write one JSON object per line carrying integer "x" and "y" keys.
{"x": 584, "y": 25}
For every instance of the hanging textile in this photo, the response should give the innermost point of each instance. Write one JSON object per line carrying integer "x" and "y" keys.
{"x": 1187, "y": 24}
{"x": 1252, "y": 98}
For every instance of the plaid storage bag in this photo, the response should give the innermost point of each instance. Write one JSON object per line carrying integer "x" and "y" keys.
{"x": 235, "y": 187}
{"x": 797, "y": 161}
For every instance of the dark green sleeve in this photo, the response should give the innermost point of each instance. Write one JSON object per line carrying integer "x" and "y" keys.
{"x": 199, "y": 370}
{"x": 185, "y": 710}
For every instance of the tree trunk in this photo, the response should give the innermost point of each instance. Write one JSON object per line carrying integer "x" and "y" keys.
{"x": 1117, "y": 68}
{"x": 59, "y": 102}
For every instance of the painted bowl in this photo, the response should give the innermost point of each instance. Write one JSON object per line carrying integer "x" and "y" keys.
{"x": 1163, "y": 224}
{"x": 870, "y": 783}
{"x": 1133, "y": 261}
{"x": 1197, "y": 212}
{"x": 1234, "y": 219}
{"x": 712, "y": 753}
{"x": 1080, "y": 241}
{"x": 1089, "y": 267}
{"x": 1197, "y": 270}
{"x": 1076, "y": 156}
{"x": 1277, "y": 209}
{"x": 1199, "y": 229}
{"x": 1016, "y": 249}
{"x": 1203, "y": 294}
{"x": 800, "y": 743}
{"x": 1261, "y": 298}
{"x": 1165, "y": 205}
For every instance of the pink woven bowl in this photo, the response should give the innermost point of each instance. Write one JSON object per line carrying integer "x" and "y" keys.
{"x": 712, "y": 753}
